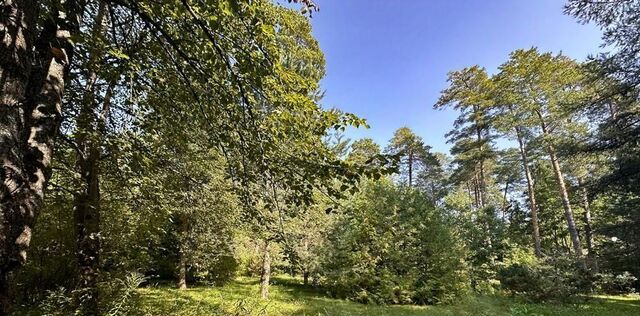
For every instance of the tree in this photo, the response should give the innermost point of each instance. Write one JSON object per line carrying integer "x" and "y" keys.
{"x": 259, "y": 97}
{"x": 390, "y": 245}
{"x": 304, "y": 237}
{"x": 93, "y": 97}
{"x": 34, "y": 69}
{"x": 616, "y": 112}
{"x": 432, "y": 178}
{"x": 508, "y": 122}
{"x": 363, "y": 151}
{"x": 37, "y": 67}
{"x": 412, "y": 152}
{"x": 619, "y": 23}
{"x": 545, "y": 88}
{"x": 469, "y": 92}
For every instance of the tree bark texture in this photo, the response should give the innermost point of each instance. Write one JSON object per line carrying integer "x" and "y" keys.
{"x": 265, "y": 273}
{"x": 182, "y": 272}
{"x": 564, "y": 195}
{"x": 32, "y": 77}
{"x": 531, "y": 194}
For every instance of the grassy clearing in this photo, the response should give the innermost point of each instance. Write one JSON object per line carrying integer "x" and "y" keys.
{"x": 289, "y": 297}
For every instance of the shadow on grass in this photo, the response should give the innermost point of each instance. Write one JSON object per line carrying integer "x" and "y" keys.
{"x": 162, "y": 301}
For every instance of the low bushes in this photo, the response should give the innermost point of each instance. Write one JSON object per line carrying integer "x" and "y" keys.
{"x": 608, "y": 283}
{"x": 551, "y": 279}
{"x": 558, "y": 279}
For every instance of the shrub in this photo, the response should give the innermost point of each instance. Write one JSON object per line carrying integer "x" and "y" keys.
{"x": 57, "y": 302}
{"x": 121, "y": 294}
{"x": 552, "y": 279}
{"x": 608, "y": 283}
{"x": 487, "y": 287}
{"x": 217, "y": 271}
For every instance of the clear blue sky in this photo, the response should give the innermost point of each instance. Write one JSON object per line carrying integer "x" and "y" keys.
{"x": 387, "y": 60}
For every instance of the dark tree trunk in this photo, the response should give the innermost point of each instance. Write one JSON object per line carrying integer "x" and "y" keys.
{"x": 410, "y": 167}
{"x": 18, "y": 27}
{"x": 265, "y": 273}
{"x": 478, "y": 192}
{"x": 305, "y": 267}
{"x": 88, "y": 138}
{"x": 30, "y": 112}
{"x": 87, "y": 229}
{"x": 556, "y": 241}
{"x": 505, "y": 201}
{"x": 532, "y": 195}
{"x": 305, "y": 277}
{"x": 5, "y": 302}
{"x": 183, "y": 229}
{"x": 482, "y": 186}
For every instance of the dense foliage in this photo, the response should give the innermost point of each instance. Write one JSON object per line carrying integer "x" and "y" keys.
{"x": 184, "y": 142}
{"x": 391, "y": 245}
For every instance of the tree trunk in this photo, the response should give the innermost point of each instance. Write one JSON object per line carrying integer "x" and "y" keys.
{"x": 88, "y": 138}
{"x": 30, "y": 112}
{"x": 265, "y": 273}
{"x": 87, "y": 206}
{"x": 478, "y": 192}
{"x": 87, "y": 229}
{"x": 482, "y": 191}
{"x": 182, "y": 271}
{"x": 305, "y": 267}
{"x": 5, "y": 300}
{"x": 305, "y": 277}
{"x": 505, "y": 201}
{"x": 471, "y": 196}
{"x": 555, "y": 240}
{"x": 531, "y": 193}
{"x": 481, "y": 181}
{"x": 183, "y": 228}
{"x": 568, "y": 213}
{"x": 18, "y": 27}
{"x": 588, "y": 231}
{"x": 564, "y": 196}
{"x": 410, "y": 167}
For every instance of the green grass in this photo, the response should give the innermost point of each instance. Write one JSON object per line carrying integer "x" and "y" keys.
{"x": 289, "y": 297}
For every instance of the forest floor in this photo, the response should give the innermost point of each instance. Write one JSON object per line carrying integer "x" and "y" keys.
{"x": 289, "y": 297}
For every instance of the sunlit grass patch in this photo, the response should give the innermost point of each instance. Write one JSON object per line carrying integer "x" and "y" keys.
{"x": 289, "y": 297}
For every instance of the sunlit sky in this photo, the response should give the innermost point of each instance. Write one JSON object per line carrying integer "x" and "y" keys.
{"x": 387, "y": 60}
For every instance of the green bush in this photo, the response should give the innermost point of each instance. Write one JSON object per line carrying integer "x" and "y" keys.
{"x": 56, "y": 302}
{"x": 392, "y": 246}
{"x": 552, "y": 279}
{"x": 218, "y": 271}
{"x": 608, "y": 283}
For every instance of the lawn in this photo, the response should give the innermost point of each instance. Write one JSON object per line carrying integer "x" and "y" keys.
{"x": 289, "y": 297}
